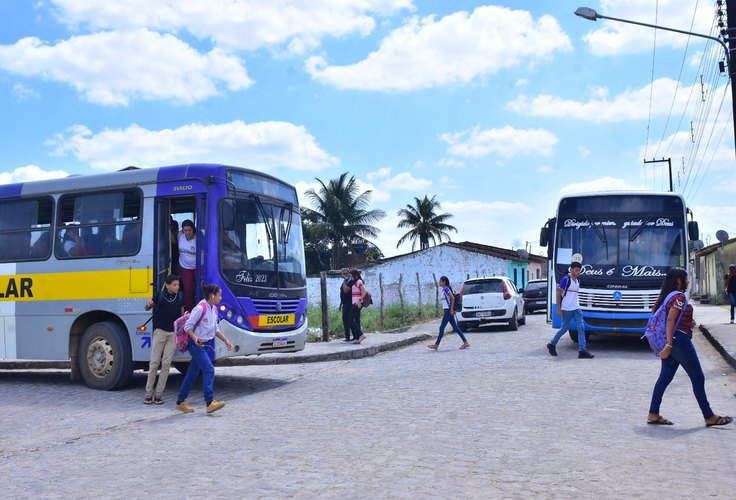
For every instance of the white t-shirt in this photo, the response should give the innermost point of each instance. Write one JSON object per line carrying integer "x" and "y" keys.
{"x": 570, "y": 300}
{"x": 187, "y": 251}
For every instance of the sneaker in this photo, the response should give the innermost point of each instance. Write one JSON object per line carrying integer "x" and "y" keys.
{"x": 585, "y": 355}
{"x": 552, "y": 349}
{"x": 214, "y": 406}
{"x": 184, "y": 407}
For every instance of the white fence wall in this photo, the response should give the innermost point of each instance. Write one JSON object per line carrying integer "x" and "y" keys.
{"x": 456, "y": 264}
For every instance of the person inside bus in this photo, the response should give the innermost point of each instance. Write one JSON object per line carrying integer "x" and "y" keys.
{"x": 72, "y": 244}
{"x": 187, "y": 242}
{"x": 173, "y": 234}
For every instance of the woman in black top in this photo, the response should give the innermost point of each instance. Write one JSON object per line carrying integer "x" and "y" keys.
{"x": 346, "y": 298}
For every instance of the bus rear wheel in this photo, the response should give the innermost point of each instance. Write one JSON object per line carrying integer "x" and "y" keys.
{"x": 574, "y": 335}
{"x": 105, "y": 357}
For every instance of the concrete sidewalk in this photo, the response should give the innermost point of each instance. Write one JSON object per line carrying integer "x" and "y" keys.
{"x": 714, "y": 322}
{"x": 336, "y": 350}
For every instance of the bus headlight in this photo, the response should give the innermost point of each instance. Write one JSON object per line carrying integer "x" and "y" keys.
{"x": 239, "y": 320}
{"x": 229, "y": 315}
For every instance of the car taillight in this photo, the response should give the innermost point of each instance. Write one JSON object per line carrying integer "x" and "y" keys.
{"x": 506, "y": 294}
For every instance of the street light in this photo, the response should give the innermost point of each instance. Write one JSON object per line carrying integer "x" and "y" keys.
{"x": 592, "y": 15}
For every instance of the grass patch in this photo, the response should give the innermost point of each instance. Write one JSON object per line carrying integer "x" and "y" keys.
{"x": 370, "y": 319}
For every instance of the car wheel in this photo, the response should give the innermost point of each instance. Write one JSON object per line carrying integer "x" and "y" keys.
{"x": 522, "y": 321}
{"x": 514, "y": 322}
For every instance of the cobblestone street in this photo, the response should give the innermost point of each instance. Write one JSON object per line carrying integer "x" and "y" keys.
{"x": 502, "y": 419}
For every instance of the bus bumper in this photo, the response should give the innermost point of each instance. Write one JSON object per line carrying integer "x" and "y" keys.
{"x": 246, "y": 342}
{"x": 608, "y": 322}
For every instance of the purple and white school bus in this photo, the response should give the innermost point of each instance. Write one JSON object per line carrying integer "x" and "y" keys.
{"x": 626, "y": 242}
{"x": 86, "y": 305}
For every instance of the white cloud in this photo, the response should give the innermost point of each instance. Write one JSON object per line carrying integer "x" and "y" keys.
{"x": 22, "y": 92}
{"x": 30, "y": 173}
{"x": 450, "y": 163}
{"x": 456, "y": 49}
{"x": 601, "y": 184}
{"x": 405, "y": 182}
{"x": 615, "y": 37}
{"x": 545, "y": 169}
{"x": 635, "y": 104}
{"x": 378, "y": 174}
{"x": 261, "y": 146}
{"x": 111, "y": 68}
{"x": 506, "y": 142}
{"x": 236, "y": 24}
{"x": 583, "y": 151}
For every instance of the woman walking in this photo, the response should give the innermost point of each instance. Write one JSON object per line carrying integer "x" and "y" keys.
{"x": 448, "y": 304}
{"x": 201, "y": 326}
{"x": 680, "y": 350}
{"x": 358, "y": 292}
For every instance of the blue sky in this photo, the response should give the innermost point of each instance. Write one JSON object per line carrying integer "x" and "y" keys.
{"x": 495, "y": 108}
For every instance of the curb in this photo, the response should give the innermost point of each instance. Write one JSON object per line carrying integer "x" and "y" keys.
{"x": 722, "y": 350}
{"x": 285, "y": 359}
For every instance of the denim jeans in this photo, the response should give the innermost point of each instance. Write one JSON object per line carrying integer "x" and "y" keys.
{"x": 732, "y": 300}
{"x": 567, "y": 316}
{"x": 449, "y": 318}
{"x": 346, "y": 309}
{"x": 683, "y": 353}
{"x": 200, "y": 363}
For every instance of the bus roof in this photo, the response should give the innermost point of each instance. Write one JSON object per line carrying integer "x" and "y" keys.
{"x": 122, "y": 178}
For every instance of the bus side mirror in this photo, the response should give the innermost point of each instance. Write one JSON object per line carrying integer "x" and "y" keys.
{"x": 544, "y": 237}
{"x": 692, "y": 230}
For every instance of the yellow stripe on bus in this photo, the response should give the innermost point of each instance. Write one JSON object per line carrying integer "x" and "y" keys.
{"x": 77, "y": 285}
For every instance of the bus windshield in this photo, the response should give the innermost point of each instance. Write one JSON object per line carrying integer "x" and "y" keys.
{"x": 621, "y": 246}
{"x": 261, "y": 243}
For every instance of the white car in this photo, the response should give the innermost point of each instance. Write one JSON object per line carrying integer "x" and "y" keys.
{"x": 491, "y": 300}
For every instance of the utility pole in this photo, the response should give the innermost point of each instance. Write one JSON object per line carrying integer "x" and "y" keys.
{"x": 730, "y": 36}
{"x": 669, "y": 162}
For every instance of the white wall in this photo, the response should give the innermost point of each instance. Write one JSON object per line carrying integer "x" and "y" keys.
{"x": 452, "y": 262}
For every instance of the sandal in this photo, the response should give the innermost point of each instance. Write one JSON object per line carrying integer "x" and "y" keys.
{"x": 720, "y": 421}
{"x": 465, "y": 346}
{"x": 158, "y": 400}
{"x": 660, "y": 421}
{"x": 148, "y": 400}
{"x": 433, "y": 346}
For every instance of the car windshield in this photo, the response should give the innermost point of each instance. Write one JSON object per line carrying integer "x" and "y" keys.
{"x": 493, "y": 286}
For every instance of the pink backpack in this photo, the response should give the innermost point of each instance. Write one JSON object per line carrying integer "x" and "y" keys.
{"x": 182, "y": 338}
{"x": 656, "y": 332}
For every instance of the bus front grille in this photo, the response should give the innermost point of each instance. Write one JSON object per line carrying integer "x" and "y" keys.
{"x": 276, "y": 306}
{"x": 614, "y": 323}
{"x": 627, "y": 301}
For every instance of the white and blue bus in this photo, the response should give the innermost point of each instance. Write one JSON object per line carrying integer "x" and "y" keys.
{"x": 626, "y": 242}
{"x": 86, "y": 307}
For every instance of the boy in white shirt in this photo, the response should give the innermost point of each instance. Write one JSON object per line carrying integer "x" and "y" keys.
{"x": 568, "y": 308}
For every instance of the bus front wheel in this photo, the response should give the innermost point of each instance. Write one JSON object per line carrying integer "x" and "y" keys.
{"x": 574, "y": 335}
{"x": 105, "y": 357}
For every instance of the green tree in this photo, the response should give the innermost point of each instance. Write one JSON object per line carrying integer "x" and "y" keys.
{"x": 341, "y": 215}
{"x": 425, "y": 224}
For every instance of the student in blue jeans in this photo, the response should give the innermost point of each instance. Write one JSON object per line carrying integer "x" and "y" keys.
{"x": 448, "y": 304}
{"x": 680, "y": 350}
{"x": 201, "y": 326}
{"x": 568, "y": 308}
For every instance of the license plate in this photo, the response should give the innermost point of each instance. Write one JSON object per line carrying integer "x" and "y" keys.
{"x": 276, "y": 319}
{"x": 541, "y": 302}
{"x": 483, "y": 314}
{"x": 280, "y": 342}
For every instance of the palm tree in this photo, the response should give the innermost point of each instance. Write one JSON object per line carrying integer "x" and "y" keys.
{"x": 425, "y": 223}
{"x": 342, "y": 215}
